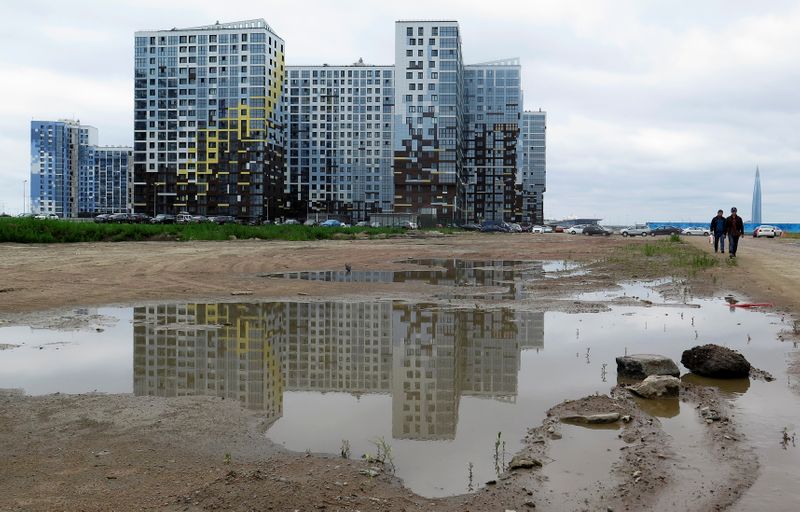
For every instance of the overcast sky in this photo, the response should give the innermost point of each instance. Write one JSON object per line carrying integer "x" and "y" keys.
{"x": 656, "y": 110}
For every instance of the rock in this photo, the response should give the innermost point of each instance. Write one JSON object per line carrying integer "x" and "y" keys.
{"x": 644, "y": 365}
{"x": 657, "y": 386}
{"x": 530, "y": 504}
{"x": 369, "y": 472}
{"x": 523, "y": 462}
{"x": 594, "y": 419}
{"x": 710, "y": 414}
{"x": 715, "y": 361}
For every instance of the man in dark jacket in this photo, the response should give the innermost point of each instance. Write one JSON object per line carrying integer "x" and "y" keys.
{"x": 734, "y": 228}
{"x": 717, "y": 229}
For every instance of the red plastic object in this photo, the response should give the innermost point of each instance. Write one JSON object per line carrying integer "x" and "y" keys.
{"x": 751, "y": 305}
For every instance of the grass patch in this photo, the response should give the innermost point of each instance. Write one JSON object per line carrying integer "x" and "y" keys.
{"x": 666, "y": 255}
{"x": 32, "y": 231}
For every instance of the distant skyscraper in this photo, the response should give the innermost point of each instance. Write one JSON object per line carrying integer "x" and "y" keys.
{"x": 756, "y": 217}
{"x": 208, "y": 134}
{"x": 59, "y": 149}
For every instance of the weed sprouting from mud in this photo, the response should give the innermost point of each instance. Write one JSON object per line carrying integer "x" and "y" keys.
{"x": 227, "y": 459}
{"x": 345, "y": 449}
{"x": 383, "y": 454}
{"x": 470, "y": 480}
{"x": 787, "y": 439}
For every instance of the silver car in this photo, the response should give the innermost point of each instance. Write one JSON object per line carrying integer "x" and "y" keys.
{"x": 695, "y": 231}
{"x": 637, "y": 230}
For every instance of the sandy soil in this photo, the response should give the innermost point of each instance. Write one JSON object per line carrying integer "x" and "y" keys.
{"x": 119, "y": 452}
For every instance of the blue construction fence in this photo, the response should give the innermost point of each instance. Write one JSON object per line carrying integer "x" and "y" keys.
{"x": 788, "y": 227}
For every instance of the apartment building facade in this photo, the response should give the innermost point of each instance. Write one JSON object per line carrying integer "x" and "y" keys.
{"x": 493, "y": 106}
{"x": 533, "y": 166}
{"x": 338, "y": 139}
{"x": 73, "y": 176}
{"x": 208, "y": 120}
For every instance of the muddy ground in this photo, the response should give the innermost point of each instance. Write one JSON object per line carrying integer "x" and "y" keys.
{"x": 119, "y": 452}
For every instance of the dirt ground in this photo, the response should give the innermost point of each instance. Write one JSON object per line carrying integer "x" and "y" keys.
{"x": 119, "y": 452}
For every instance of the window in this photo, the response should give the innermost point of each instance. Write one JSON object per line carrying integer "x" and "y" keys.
{"x": 409, "y": 31}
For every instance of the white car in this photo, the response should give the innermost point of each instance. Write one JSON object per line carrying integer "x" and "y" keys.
{"x": 695, "y": 231}
{"x": 575, "y": 230}
{"x": 767, "y": 231}
{"x": 537, "y": 229}
{"x": 638, "y": 230}
{"x": 46, "y": 216}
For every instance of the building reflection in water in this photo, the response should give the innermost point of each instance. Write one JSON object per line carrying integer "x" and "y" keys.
{"x": 425, "y": 356}
{"x": 509, "y": 275}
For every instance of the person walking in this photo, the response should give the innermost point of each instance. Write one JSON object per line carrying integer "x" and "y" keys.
{"x": 717, "y": 230}
{"x": 734, "y": 228}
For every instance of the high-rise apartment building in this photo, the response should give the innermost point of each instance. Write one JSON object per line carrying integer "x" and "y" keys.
{"x": 493, "y": 106}
{"x": 339, "y": 139}
{"x": 59, "y": 159}
{"x": 106, "y": 184}
{"x": 429, "y": 175}
{"x": 532, "y": 169}
{"x": 208, "y": 134}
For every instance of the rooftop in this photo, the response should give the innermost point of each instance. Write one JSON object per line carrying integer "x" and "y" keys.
{"x": 233, "y": 25}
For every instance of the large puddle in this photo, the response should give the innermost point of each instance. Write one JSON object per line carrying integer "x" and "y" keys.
{"x": 439, "y": 384}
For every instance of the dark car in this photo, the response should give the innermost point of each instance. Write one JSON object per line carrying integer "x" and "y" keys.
{"x": 163, "y": 218}
{"x": 118, "y": 218}
{"x": 495, "y": 226}
{"x": 596, "y": 229}
{"x": 199, "y": 219}
{"x": 665, "y": 230}
{"x": 138, "y": 218}
{"x": 223, "y": 219}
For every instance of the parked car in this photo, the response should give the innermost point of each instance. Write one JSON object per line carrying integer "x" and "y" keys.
{"x": 199, "y": 219}
{"x": 665, "y": 230}
{"x": 183, "y": 218}
{"x": 407, "y": 224}
{"x": 495, "y": 226}
{"x": 291, "y": 222}
{"x": 118, "y": 218}
{"x": 596, "y": 229}
{"x": 138, "y": 218}
{"x": 574, "y": 230}
{"x": 695, "y": 231}
{"x": 548, "y": 229}
{"x": 102, "y": 218}
{"x": 310, "y": 222}
{"x": 223, "y": 219}
{"x": 471, "y": 226}
{"x": 515, "y": 228}
{"x": 765, "y": 230}
{"x": 46, "y": 216}
{"x": 537, "y": 229}
{"x": 558, "y": 229}
{"x": 637, "y": 230}
{"x": 163, "y": 218}
{"x": 362, "y": 224}
{"x": 331, "y": 223}
{"x": 374, "y": 224}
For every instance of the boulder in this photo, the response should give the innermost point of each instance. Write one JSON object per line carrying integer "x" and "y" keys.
{"x": 657, "y": 386}
{"x": 523, "y": 462}
{"x": 592, "y": 419}
{"x": 644, "y": 365}
{"x": 715, "y": 361}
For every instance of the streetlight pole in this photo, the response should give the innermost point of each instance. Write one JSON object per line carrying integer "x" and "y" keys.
{"x": 24, "y": 197}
